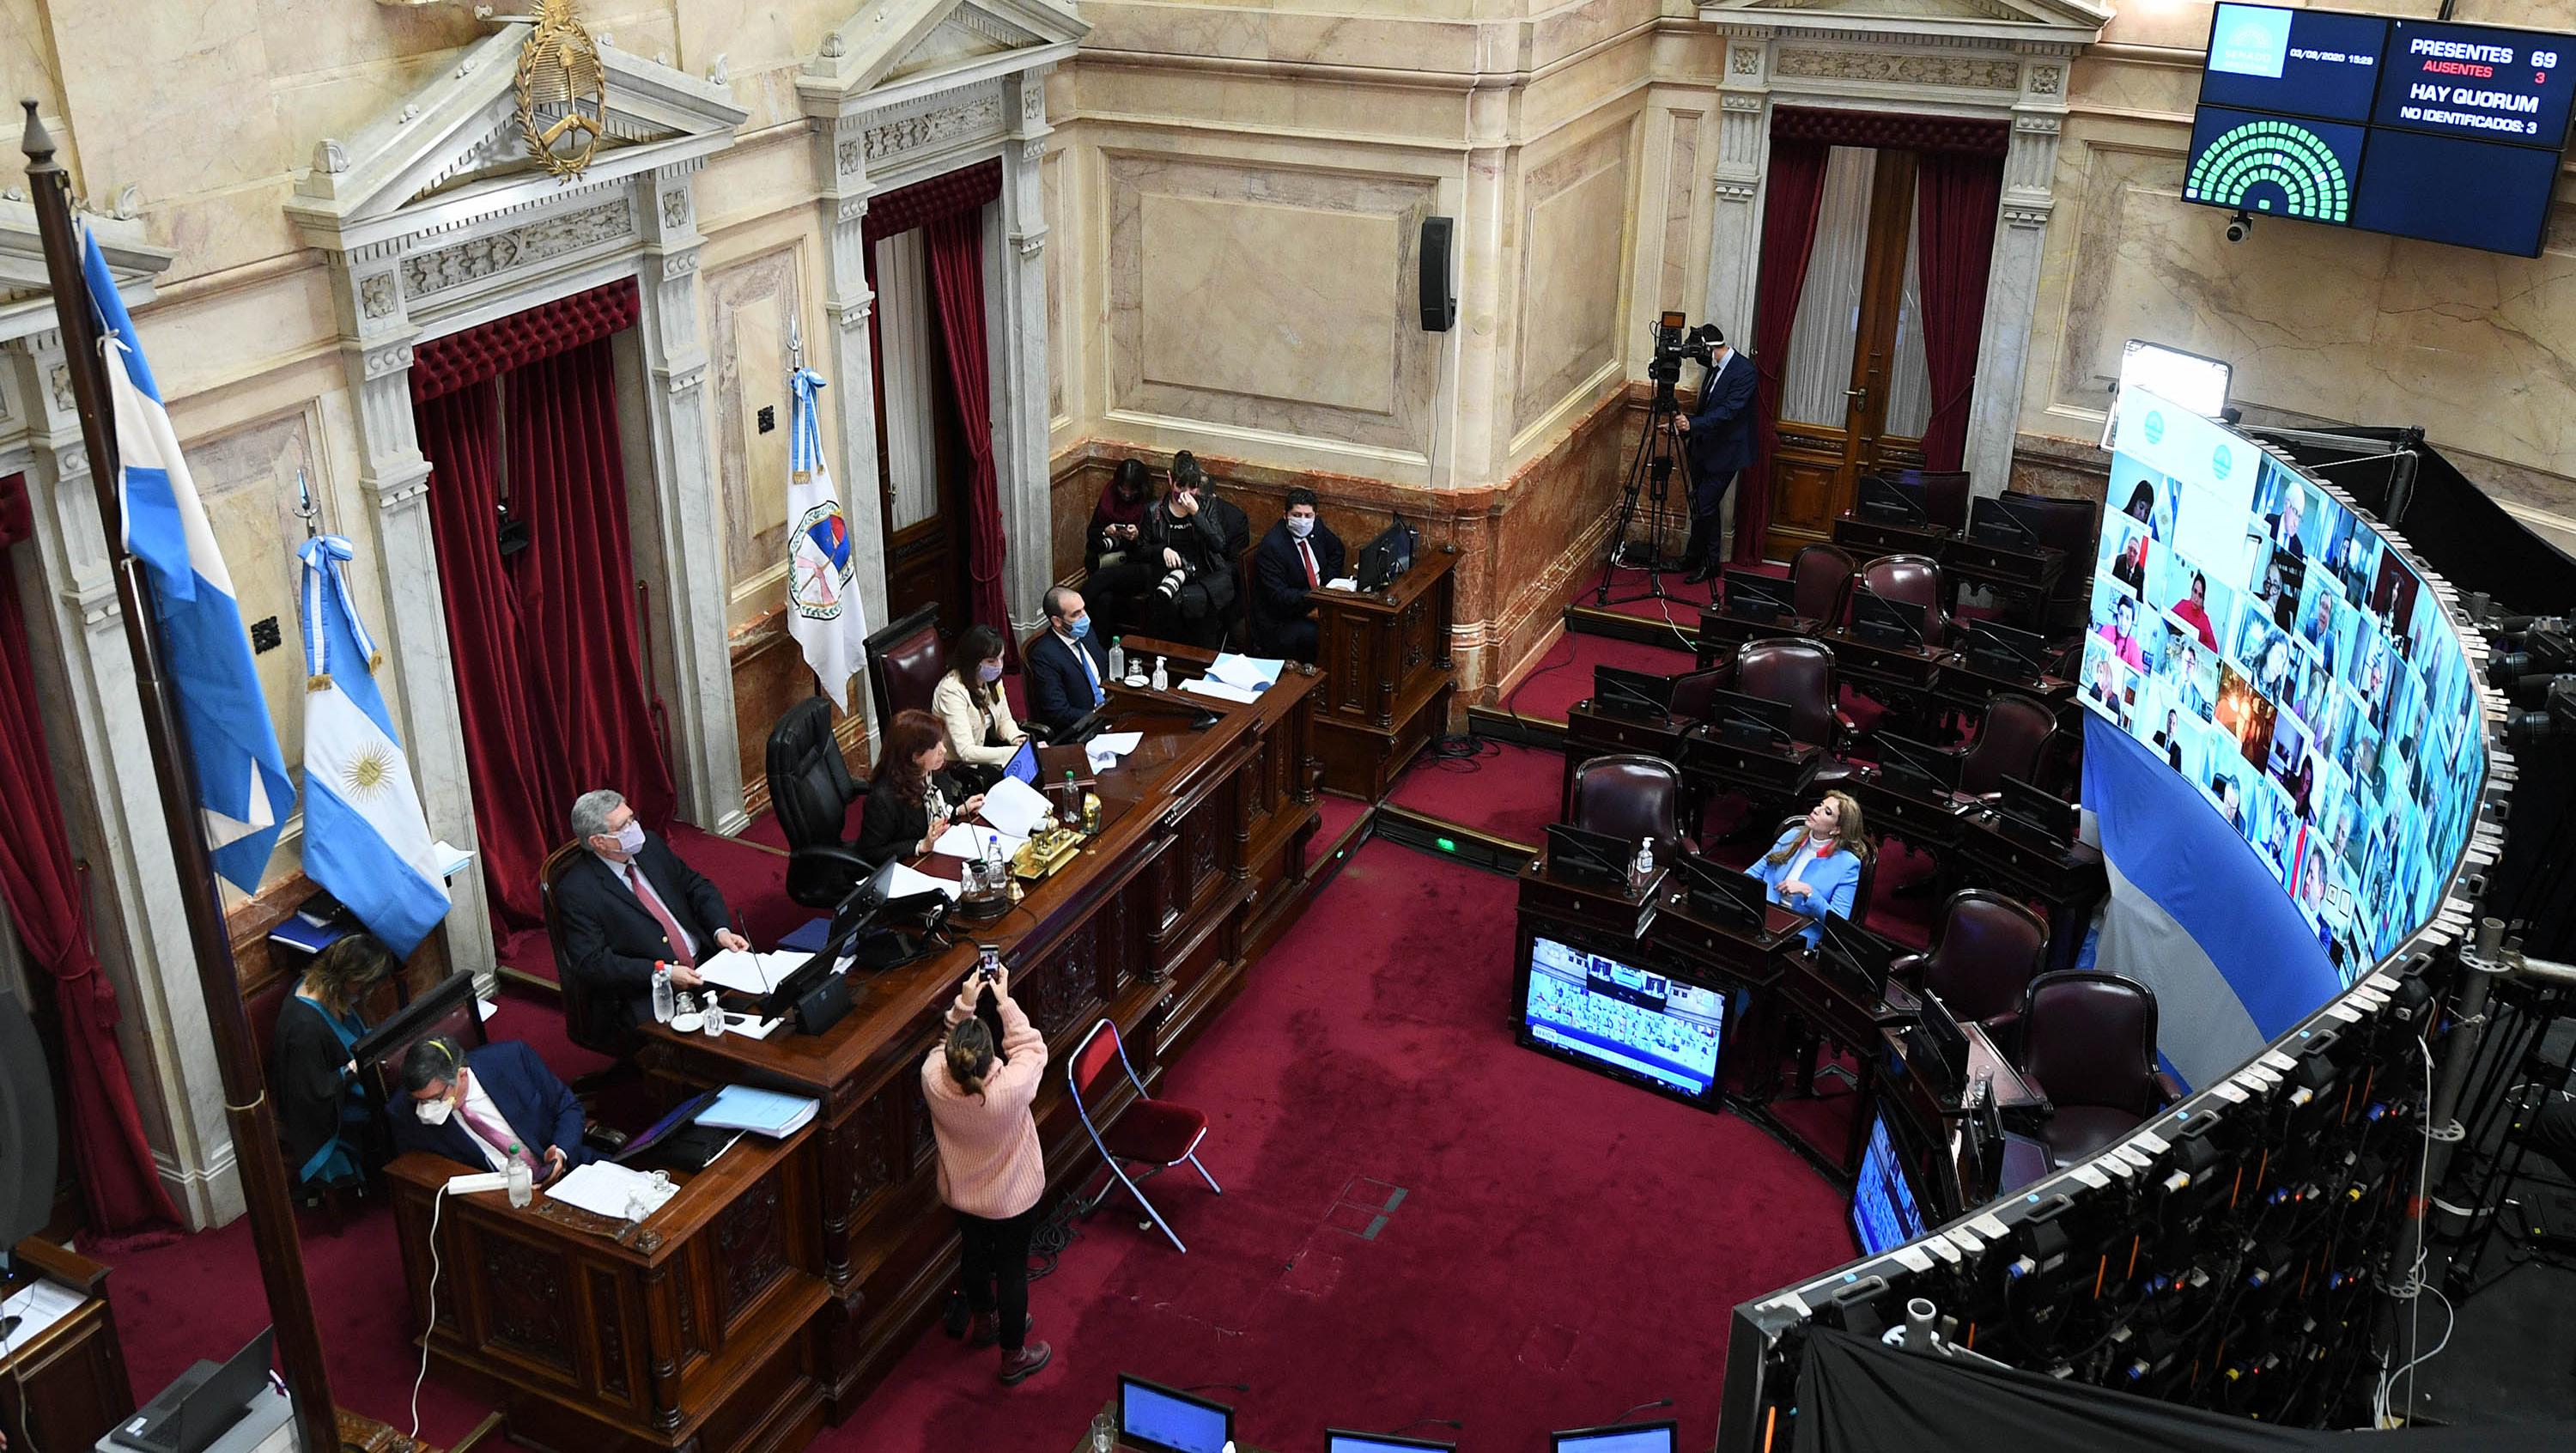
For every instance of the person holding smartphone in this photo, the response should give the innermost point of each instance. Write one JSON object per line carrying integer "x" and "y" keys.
{"x": 992, "y": 1173}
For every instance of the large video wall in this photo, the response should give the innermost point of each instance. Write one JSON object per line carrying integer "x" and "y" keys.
{"x": 2261, "y": 639}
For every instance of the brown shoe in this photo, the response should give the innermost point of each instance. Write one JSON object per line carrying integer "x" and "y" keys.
{"x": 1018, "y": 1367}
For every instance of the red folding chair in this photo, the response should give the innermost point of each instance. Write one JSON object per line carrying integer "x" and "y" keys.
{"x": 1156, "y": 1133}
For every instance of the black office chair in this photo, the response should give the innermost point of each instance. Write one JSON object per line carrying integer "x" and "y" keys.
{"x": 810, "y": 788}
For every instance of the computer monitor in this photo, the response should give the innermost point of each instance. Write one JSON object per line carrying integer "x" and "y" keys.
{"x": 1153, "y": 1418}
{"x": 1751, "y": 597}
{"x": 1889, "y": 502}
{"x": 1918, "y": 763}
{"x": 1387, "y": 556}
{"x": 1024, "y": 763}
{"x": 1627, "y": 1022}
{"x": 1886, "y": 1212}
{"x": 1752, "y": 721}
{"x": 2038, "y": 813}
{"x": 1997, "y": 521}
{"x": 1936, "y": 1049}
{"x": 1625, "y": 1438}
{"x": 191, "y": 1413}
{"x": 1875, "y": 617}
{"x": 1343, "y": 1440}
{"x": 445, "y": 1008}
{"x": 1722, "y": 892}
{"x": 1642, "y": 695}
{"x": 1854, "y": 956}
{"x": 2008, "y": 650}
{"x": 1580, "y": 855}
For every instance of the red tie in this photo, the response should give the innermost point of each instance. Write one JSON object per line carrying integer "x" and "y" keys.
{"x": 652, "y": 901}
{"x": 1307, "y": 554}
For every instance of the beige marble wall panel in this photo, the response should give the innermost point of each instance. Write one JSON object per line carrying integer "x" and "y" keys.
{"x": 27, "y": 60}
{"x": 1284, "y": 36}
{"x": 1679, "y": 277}
{"x": 311, "y": 38}
{"x": 1572, "y": 94}
{"x": 247, "y": 480}
{"x": 1574, "y": 230}
{"x": 145, "y": 79}
{"x": 202, "y": 341}
{"x": 1102, "y": 91}
{"x": 756, "y": 180}
{"x": 752, "y": 303}
{"x": 1252, "y": 258}
{"x": 339, "y": 102}
{"x": 1059, "y": 246}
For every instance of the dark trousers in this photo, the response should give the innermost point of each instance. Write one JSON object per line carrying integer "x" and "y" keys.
{"x": 1109, "y": 589}
{"x": 1706, "y": 532}
{"x": 1194, "y": 617}
{"x": 1294, "y": 640}
{"x": 995, "y": 1270}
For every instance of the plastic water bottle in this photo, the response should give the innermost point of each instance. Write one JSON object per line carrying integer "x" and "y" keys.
{"x": 664, "y": 1001}
{"x": 994, "y": 874}
{"x": 1162, "y": 678}
{"x": 523, "y": 1184}
{"x": 1117, "y": 660}
{"x": 1070, "y": 811}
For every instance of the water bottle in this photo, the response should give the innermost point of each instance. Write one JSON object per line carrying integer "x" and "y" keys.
{"x": 1117, "y": 660}
{"x": 993, "y": 859}
{"x": 664, "y": 1001}
{"x": 523, "y": 1183}
{"x": 1104, "y": 1434}
{"x": 1162, "y": 678}
{"x": 1071, "y": 812}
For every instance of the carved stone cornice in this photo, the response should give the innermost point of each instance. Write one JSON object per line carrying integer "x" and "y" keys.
{"x": 1881, "y": 67}
{"x": 1735, "y": 189}
{"x": 382, "y": 362}
{"x": 1741, "y": 102}
{"x": 475, "y": 259}
{"x": 1031, "y": 242}
{"x": 2027, "y": 214}
{"x": 968, "y": 116}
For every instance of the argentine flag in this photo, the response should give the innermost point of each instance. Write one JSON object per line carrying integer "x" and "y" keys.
{"x": 365, "y": 837}
{"x": 242, "y": 787}
{"x": 823, "y": 611}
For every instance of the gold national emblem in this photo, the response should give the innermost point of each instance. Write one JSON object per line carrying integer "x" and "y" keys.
{"x": 365, "y": 774}
{"x": 562, "y": 92}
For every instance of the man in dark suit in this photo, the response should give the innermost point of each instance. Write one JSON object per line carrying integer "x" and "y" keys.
{"x": 1068, "y": 672}
{"x": 476, "y": 1107}
{"x": 1295, "y": 557}
{"x": 1717, "y": 441}
{"x": 631, "y": 906}
{"x": 1195, "y": 538}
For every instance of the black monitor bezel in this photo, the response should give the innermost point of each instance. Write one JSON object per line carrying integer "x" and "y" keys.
{"x": 1671, "y": 1428}
{"x": 1144, "y": 1444}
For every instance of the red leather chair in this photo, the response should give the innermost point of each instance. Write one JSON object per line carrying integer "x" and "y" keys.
{"x": 1819, "y": 579}
{"x": 1799, "y": 674}
{"x": 1915, "y": 580}
{"x": 1692, "y": 691}
{"x": 1630, "y": 796}
{"x": 1152, "y": 1132}
{"x": 1945, "y": 496}
{"x": 905, "y": 660}
{"x": 2089, "y": 1040}
{"x": 2009, "y": 740}
{"x": 2059, "y": 771}
{"x": 1984, "y": 954}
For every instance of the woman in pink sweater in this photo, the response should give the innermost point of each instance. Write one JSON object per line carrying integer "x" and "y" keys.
{"x": 991, "y": 1172}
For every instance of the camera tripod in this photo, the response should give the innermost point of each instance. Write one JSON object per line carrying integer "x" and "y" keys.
{"x": 1651, "y": 474}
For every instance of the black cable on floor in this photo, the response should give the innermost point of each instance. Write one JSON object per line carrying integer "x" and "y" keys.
{"x": 1048, "y": 1242}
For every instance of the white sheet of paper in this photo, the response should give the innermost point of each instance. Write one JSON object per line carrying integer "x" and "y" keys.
{"x": 1343, "y": 582}
{"x": 605, "y": 1188}
{"x": 1251, "y": 673}
{"x": 965, "y": 840}
{"x": 751, "y": 1024}
{"x": 745, "y": 972}
{"x": 1221, "y": 691}
{"x": 906, "y": 881}
{"x": 39, "y": 1306}
{"x": 450, "y": 858}
{"x": 488, "y": 1007}
{"x": 1014, "y": 806}
{"x": 1115, "y": 744}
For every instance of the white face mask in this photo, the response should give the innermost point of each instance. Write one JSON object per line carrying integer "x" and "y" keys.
{"x": 630, "y": 838}
{"x": 433, "y": 1112}
{"x": 1300, "y": 528}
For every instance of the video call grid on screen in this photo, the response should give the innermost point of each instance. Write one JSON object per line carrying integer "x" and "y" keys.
{"x": 1641, "y": 1022}
{"x": 2263, "y": 640}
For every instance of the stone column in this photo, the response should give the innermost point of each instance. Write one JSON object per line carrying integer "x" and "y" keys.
{"x": 1016, "y": 329}
{"x": 395, "y": 479}
{"x": 2012, "y": 280}
{"x": 1735, "y": 231}
{"x": 687, "y": 554}
{"x": 846, "y": 358}
{"x": 112, "y": 806}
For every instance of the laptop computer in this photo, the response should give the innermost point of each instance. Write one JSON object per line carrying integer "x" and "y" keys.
{"x": 191, "y": 1413}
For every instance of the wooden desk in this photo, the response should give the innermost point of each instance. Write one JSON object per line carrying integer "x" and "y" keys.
{"x": 1682, "y": 935}
{"x": 1869, "y": 539}
{"x": 1616, "y": 916}
{"x": 1388, "y": 674}
{"x": 1966, "y": 689}
{"x": 1590, "y": 733}
{"x": 699, "y": 1331}
{"x": 1902, "y": 674}
{"x": 1721, "y": 634}
{"x": 1927, "y": 824}
{"x": 1771, "y": 772}
{"x": 1934, "y": 1121}
{"x": 2069, "y": 878}
{"x": 2022, "y": 574}
{"x": 68, "y": 1382}
{"x": 1199, "y": 863}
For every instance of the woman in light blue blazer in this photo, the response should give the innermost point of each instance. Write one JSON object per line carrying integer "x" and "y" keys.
{"x": 1814, "y": 868}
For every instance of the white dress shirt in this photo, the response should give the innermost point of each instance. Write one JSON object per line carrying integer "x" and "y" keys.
{"x": 496, "y": 1156}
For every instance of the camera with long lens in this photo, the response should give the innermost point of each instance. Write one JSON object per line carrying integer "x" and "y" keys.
{"x": 1170, "y": 585}
{"x": 1676, "y": 340}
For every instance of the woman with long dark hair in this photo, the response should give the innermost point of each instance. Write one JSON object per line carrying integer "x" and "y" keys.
{"x": 972, "y": 707}
{"x": 324, "y": 1122}
{"x": 1114, "y": 565}
{"x": 991, "y": 1171}
{"x": 911, "y": 797}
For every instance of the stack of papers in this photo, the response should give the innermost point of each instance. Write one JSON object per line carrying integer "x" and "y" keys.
{"x": 1248, "y": 673}
{"x": 750, "y": 973}
{"x": 1105, "y": 749}
{"x": 965, "y": 840}
{"x": 40, "y": 1306}
{"x": 740, "y": 1107}
{"x": 605, "y": 1188}
{"x": 1015, "y": 807}
{"x": 1210, "y": 686}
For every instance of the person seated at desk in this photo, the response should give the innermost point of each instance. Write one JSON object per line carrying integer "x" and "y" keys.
{"x": 971, "y": 705}
{"x": 630, "y": 906}
{"x": 483, "y": 1107}
{"x": 911, "y": 797}
{"x": 1114, "y": 566}
{"x": 1196, "y": 538}
{"x": 324, "y": 1121}
{"x": 1814, "y": 868}
{"x": 1295, "y": 557}
{"x": 1068, "y": 672}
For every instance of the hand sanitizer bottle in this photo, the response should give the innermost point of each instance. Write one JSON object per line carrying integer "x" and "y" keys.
{"x": 715, "y": 1016}
{"x": 1162, "y": 678}
{"x": 1645, "y": 868}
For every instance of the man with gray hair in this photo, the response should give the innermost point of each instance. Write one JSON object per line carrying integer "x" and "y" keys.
{"x": 629, "y": 906}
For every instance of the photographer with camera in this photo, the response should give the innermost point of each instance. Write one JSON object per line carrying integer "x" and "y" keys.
{"x": 991, "y": 1171}
{"x": 1717, "y": 443}
{"x": 1196, "y": 538}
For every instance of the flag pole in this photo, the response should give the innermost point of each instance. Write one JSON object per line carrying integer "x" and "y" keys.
{"x": 247, "y": 1113}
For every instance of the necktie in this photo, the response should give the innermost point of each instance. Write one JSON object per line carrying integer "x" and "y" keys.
{"x": 644, "y": 894}
{"x": 1306, "y": 553}
{"x": 1082, "y": 654}
{"x": 498, "y": 1137}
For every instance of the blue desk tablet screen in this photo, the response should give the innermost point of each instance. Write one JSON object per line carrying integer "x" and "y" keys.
{"x": 1024, "y": 763}
{"x": 1635, "y": 1438}
{"x": 1158, "y": 1420}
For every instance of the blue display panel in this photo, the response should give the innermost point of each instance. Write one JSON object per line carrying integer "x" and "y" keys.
{"x": 2273, "y": 164}
{"x": 1884, "y": 1211}
{"x": 2412, "y": 184}
{"x": 2298, "y": 62}
{"x": 2476, "y": 81}
{"x": 1643, "y": 1024}
{"x": 1165, "y": 1421}
{"x": 1644, "y": 1438}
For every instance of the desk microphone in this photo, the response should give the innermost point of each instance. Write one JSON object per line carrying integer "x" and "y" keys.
{"x": 1639, "y": 1408}
{"x": 1204, "y": 1386}
{"x": 1452, "y": 1424}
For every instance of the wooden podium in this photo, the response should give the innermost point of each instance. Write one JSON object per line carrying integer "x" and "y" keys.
{"x": 1388, "y": 674}
{"x": 65, "y": 1387}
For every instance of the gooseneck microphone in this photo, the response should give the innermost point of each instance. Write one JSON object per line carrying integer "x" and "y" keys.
{"x": 1639, "y": 1408}
{"x": 1452, "y": 1424}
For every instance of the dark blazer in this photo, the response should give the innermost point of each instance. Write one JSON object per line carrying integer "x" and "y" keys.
{"x": 889, "y": 829}
{"x": 537, "y": 1105}
{"x": 1720, "y": 440}
{"x": 1279, "y": 577}
{"x": 311, "y": 1091}
{"x": 1059, "y": 692}
{"x": 1208, "y": 543}
{"x": 613, "y": 941}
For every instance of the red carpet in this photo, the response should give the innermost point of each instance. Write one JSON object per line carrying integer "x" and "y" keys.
{"x": 1507, "y": 790}
{"x": 1370, "y": 1054}
{"x": 1337, "y": 813}
{"x": 751, "y": 875}
{"x": 1564, "y": 676}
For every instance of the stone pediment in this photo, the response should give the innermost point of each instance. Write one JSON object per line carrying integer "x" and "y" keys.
{"x": 900, "y": 47}
{"x": 26, "y": 297}
{"x": 1988, "y": 20}
{"x": 452, "y": 151}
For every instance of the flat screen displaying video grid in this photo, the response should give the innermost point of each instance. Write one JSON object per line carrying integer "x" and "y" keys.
{"x": 1645, "y": 1024}
{"x": 2263, "y": 640}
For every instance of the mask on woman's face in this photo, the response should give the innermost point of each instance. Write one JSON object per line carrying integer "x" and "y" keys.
{"x": 432, "y": 1112}
{"x": 990, "y": 671}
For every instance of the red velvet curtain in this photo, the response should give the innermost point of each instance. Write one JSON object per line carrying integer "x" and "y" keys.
{"x": 47, "y": 899}
{"x": 1793, "y": 194}
{"x": 1958, "y": 194}
{"x": 955, "y": 243}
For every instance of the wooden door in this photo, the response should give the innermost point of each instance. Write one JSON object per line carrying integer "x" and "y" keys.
{"x": 921, "y": 452}
{"x": 1854, "y": 395}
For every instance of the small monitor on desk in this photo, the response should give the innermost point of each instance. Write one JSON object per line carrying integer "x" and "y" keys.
{"x": 1343, "y": 1440}
{"x": 1887, "y": 502}
{"x": 1995, "y": 521}
{"x": 1625, "y": 1021}
{"x": 1387, "y": 556}
{"x": 1721, "y": 892}
{"x": 1936, "y": 1049}
{"x": 2008, "y": 651}
{"x": 1581, "y": 856}
{"x": 1751, "y": 721}
{"x": 1854, "y": 957}
{"x": 1153, "y": 1418}
{"x": 191, "y": 1413}
{"x": 1024, "y": 762}
{"x": 1639, "y": 695}
{"x": 1885, "y": 1210}
{"x": 2037, "y": 815}
{"x": 1878, "y": 619}
{"x": 1752, "y": 597}
{"x": 1918, "y": 764}
{"x": 1627, "y": 1438}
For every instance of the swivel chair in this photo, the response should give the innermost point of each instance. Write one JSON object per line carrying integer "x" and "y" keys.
{"x": 810, "y": 788}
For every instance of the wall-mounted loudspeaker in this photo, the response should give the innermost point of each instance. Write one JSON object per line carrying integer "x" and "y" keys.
{"x": 1439, "y": 296}
{"x": 26, "y": 1127}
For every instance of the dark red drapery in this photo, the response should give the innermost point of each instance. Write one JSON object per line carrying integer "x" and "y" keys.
{"x": 46, "y": 900}
{"x": 1924, "y": 135}
{"x": 1957, "y": 196}
{"x": 479, "y": 355}
{"x": 955, "y": 244}
{"x": 1794, "y": 192}
{"x": 948, "y": 194}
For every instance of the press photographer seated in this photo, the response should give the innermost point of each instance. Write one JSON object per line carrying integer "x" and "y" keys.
{"x": 1196, "y": 538}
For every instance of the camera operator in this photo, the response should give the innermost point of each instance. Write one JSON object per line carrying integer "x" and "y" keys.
{"x": 1196, "y": 538}
{"x": 991, "y": 1171}
{"x": 1717, "y": 442}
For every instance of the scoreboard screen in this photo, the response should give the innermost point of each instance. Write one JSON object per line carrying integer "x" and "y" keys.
{"x": 2417, "y": 128}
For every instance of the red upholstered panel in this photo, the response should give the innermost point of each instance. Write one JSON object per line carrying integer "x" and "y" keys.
{"x": 1879, "y": 128}
{"x": 1156, "y": 1130}
{"x": 944, "y": 195}
{"x": 461, "y": 360}
{"x": 15, "y": 517}
{"x": 1096, "y": 1054}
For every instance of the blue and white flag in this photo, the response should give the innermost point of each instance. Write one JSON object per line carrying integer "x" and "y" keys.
{"x": 365, "y": 837}
{"x": 243, "y": 791}
{"x": 823, "y": 609}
